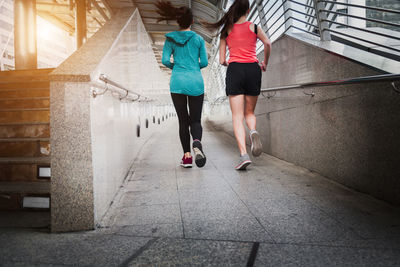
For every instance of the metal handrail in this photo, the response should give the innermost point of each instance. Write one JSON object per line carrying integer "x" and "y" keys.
{"x": 362, "y": 29}
{"x": 108, "y": 81}
{"x": 303, "y": 30}
{"x": 362, "y": 18}
{"x": 357, "y": 80}
{"x": 301, "y": 4}
{"x": 273, "y": 14}
{"x": 280, "y": 26}
{"x": 365, "y": 7}
{"x": 364, "y": 40}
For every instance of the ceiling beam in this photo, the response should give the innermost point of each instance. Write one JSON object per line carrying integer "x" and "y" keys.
{"x": 108, "y": 7}
{"x": 54, "y": 20}
{"x": 98, "y": 22}
{"x": 100, "y": 10}
{"x": 53, "y": 7}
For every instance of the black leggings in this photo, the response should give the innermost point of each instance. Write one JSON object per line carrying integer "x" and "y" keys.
{"x": 187, "y": 119}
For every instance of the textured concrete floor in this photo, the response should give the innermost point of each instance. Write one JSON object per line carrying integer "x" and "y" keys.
{"x": 273, "y": 214}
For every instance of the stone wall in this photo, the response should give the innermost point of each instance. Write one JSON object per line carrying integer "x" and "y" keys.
{"x": 93, "y": 139}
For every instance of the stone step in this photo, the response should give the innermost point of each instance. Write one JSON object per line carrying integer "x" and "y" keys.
{"x": 25, "y": 147}
{"x": 18, "y": 79}
{"x": 37, "y": 130}
{"x": 13, "y": 193}
{"x": 22, "y": 169}
{"x": 24, "y": 136}
{"x": 25, "y": 219}
{"x": 45, "y": 161}
{"x": 39, "y": 187}
{"x": 24, "y": 73}
{"x": 24, "y": 85}
{"x": 24, "y": 93}
{"x": 23, "y": 116}
{"x": 14, "y": 201}
{"x": 24, "y": 103}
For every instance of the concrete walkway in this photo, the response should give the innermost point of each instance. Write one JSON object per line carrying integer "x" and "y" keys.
{"x": 273, "y": 214}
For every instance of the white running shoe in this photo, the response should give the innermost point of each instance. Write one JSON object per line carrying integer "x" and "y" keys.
{"x": 244, "y": 161}
{"x": 256, "y": 146}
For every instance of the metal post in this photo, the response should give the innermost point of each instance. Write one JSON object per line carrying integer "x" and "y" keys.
{"x": 4, "y": 50}
{"x": 288, "y": 14}
{"x": 361, "y": 12}
{"x": 261, "y": 15}
{"x": 80, "y": 22}
{"x": 322, "y": 25}
{"x": 25, "y": 47}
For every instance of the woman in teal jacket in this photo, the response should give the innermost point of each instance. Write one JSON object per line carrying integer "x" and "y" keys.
{"x": 186, "y": 85}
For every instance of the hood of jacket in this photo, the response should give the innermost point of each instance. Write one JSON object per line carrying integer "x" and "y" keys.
{"x": 180, "y": 37}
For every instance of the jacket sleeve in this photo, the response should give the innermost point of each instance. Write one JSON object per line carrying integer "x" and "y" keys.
{"x": 203, "y": 55}
{"x": 166, "y": 56}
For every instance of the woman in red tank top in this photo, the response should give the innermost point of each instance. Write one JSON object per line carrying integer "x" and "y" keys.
{"x": 243, "y": 76}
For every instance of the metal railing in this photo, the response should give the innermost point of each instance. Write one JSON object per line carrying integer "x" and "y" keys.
{"x": 392, "y": 78}
{"x": 358, "y": 80}
{"x": 3, "y": 51}
{"x": 374, "y": 41}
{"x": 122, "y": 92}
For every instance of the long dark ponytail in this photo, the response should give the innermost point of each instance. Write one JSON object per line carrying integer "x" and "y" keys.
{"x": 236, "y": 10}
{"x": 183, "y": 15}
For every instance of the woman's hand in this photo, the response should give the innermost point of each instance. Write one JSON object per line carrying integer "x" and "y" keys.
{"x": 224, "y": 63}
{"x": 222, "y": 52}
{"x": 263, "y": 66}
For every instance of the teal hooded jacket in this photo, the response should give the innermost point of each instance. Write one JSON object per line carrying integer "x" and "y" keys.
{"x": 190, "y": 55}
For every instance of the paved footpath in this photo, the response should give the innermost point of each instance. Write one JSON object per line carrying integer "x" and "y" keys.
{"x": 273, "y": 214}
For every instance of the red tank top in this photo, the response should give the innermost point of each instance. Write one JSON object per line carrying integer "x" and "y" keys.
{"x": 241, "y": 42}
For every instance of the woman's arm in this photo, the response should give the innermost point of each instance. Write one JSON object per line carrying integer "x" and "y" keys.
{"x": 203, "y": 55}
{"x": 222, "y": 52}
{"x": 166, "y": 55}
{"x": 267, "y": 47}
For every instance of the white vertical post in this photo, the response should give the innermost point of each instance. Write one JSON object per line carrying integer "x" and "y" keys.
{"x": 288, "y": 14}
{"x": 322, "y": 25}
{"x": 360, "y": 12}
{"x": 261, "y": 15}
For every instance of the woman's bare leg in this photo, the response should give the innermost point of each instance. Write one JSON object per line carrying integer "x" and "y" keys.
{"x": 249, "y": 107}
{"x": 237, "y": 107}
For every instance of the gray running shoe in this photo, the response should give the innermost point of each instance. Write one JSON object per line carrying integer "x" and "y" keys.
{"x": 199, "y": 158}
{"x": 256, "y": 146}
{"x": 244, "y": 161}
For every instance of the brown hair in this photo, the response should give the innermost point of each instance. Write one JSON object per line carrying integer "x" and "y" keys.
{"x": 236, "y": 10}
{"x": 183, "y": 15}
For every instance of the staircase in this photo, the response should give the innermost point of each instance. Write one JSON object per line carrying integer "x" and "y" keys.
{"x": 158, "y": 56}
{"x": 24, "y": 137}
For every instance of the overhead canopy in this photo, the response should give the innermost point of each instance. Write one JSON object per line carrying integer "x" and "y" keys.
{"x": 61, "y": 13}
{"x": 202, "y": 10}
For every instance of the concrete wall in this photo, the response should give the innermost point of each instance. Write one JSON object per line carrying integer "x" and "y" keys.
{"x": 130, "y": 62}
{"x": 93, "y": 139}
{"x": 349, "y": 134}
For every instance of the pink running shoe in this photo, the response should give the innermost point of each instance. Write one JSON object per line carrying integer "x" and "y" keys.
{"x": 186, "y": 162}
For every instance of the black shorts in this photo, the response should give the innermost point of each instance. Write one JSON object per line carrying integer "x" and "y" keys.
{"x": 243, "y": 79}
